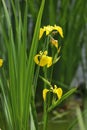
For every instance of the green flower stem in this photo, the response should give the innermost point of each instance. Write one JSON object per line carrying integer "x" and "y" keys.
{"x": 45, "y": 117}
{"x": 45, "y": 114}
{"x": 45, "y": 75}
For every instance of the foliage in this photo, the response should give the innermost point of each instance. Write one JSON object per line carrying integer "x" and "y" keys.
{"x": 16, "y": 86}
{"x": 19, "y": 34}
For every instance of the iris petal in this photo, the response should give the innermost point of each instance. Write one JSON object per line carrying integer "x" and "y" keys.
{"x": 45, "y": 93}
{"x": 41, "y": 32}
{"x": 59, "y": 29}
{"x": 1, "y": 62}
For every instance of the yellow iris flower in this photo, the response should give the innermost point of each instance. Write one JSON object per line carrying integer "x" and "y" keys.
{"x": 48, "y": 29}
{"x": 42, "y": 59}
{"x": 57, "y": 91}
{"x": 1, "y": 62}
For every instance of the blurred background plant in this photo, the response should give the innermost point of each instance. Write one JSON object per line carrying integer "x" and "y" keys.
{"x": 71, "y": 15}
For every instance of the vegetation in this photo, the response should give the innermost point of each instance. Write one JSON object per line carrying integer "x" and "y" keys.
{"x": 40, "y": 50}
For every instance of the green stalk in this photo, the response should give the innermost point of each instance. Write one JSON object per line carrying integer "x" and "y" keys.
{"x": 45, "y": 118}
{"x": 45, "y": 115}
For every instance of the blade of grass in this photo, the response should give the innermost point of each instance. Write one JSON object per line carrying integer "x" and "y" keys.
{"x": 7, "y": 14}
{"x": 31, "y": 64}
{"x": 6, "y": 106}
{"x": 80, "y": 119}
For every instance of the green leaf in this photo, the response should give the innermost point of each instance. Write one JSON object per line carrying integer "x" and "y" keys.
{"x": 46, "y": 81}
{"x": 31, "y": 64}
{"x": 6, "y": 14}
